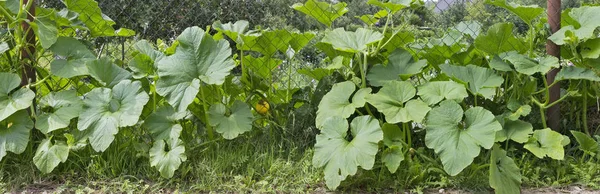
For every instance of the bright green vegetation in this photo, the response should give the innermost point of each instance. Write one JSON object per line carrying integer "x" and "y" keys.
{"x": 385, "y": 111}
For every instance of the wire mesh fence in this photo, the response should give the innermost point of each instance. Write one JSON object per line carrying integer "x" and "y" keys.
{"x": 437, "y": 27}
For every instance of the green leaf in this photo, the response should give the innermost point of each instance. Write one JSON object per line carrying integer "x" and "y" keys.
{"x": 576, "y": 73}
{"x": 65, "y": 105}
{"x": 48, "y": 156}
{"x": 373, "y": 19}
{"x": 526, "y": 13}
{"x": 499, "y": 64}
{"x": 267, "y": 42}
{"x": 401, "y": 65}
{"x": 106, "y": 72}
{"x": 498, "y": 39}
{"x": 590, "y": 49}
{"x": 505, "y": 175}
{"x": 337, "y": 103}
{"x": 341, "y": 157}
{"x": 528, "y": 66}
{"x": 394, "y": 101}
{"x": 317, "y": 73}
{"x": 145, "y": 63}
{"x": 546, "y": 142}
{"x": 586, "y": 143}
{"x": 321, "y": 11}
{"x": 516, "y": 130}
{"x": 586, "y": 19}
{"x": 232, "y": 30}
{"x": 472, "y": 28}
{"x": 91, "y": 15}
{"x": 4, "y": 47}
{"x": 458, "y": 142}
{"x": 392, "y": 155}
{"x": 263, "y": 66}
{"x": 482, "y": 81}
{"x": 124, "y": 32}
{"x": 300, "y": 40}
{"x": 392, "y": 5}
{"x": 45, "y": 29}
{"x": 11, "y": 102}
{"x": 397, "y": 39}
{"x": 436, "y": 91}
{"x": 198, "y": 58}
{"x": 14, "y": 133}
{"x": 353, "y": 42}
{"x": 105, "y": 110}
{"x": 73, "y": 55}
{"x": 163, "y": 123}
{"x": 231, "y": 122}
{"x": 167, "y": 157}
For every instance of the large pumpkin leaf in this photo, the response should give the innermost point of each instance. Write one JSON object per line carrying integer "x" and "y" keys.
{"x": 401, "y": 65}
{"x": 106, "y": 72}
{"x": 105, "y": 110}
{"x": 436, "y": 91}
{"x": 48, "y": 156}
{"x": 93, "y": 18}
{"x": 586, "y": 143}
{"x": 392, "y": 155}
{"x": 480, "y": 80}
{"x": 337, "y": 102}
{"x": 14, "y": 133}
{"x": 546, "y": 142}
{"x": 498, "y": 39}
{"x": 11, "y": 102}
{"x": 322, "y": 11}
{"x": 198, "y": 58}
{"x": 231, "y": 122}
{"x": 352, "y": 42}
{"x": 163, "y": 123}
{"x": 392, "y": 5}
{"x": 526, "y": 13}
{"x": 263, "y": 66}
{"x": 63, "y": 105}
{"x": 576, "y": 73}
{"x": 505, "y": 175}
{"x": 266, "y": 42}
{"x": 528, "y": 66}
{"x": 341, "y": 157}
{"x": 167, "y": 157}
{"x": 145, "y": 62}
{"x": 45, "y": 29}
{"x": 458, "y": 142}
{"x": 584, "y": 21}
{"x": 232, "y": 30}
{"x": 72, "y": 57}
{"x": 516, "y": 130}
{"x": 394, "y": 101}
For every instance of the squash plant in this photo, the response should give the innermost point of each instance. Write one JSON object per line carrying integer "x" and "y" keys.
{"x": 468, "y": 91}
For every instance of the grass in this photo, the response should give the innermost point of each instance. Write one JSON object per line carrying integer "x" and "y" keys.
{"x": 265, "y": 161}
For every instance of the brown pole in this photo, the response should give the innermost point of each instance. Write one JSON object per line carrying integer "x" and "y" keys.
{"x": 553, "y": 113}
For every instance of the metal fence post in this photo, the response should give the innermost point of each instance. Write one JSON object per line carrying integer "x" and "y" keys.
{"x": 553, "y": 113}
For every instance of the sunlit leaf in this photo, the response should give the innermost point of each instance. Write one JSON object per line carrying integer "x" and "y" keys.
{"x": 456, "y": 141}
{"x": 342, "y": 157}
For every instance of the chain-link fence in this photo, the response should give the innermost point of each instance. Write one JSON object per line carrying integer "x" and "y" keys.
{"x": 437, "y": 26}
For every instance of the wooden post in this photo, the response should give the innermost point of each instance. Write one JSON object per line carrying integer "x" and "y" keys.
{"x": 28, "y": 53}
{"x": 553, "y": 113}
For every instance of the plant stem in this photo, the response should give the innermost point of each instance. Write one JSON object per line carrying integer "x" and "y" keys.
{"x": 408, "y": 134}
{"x": 475, "y": 99}
{"x": 543, "y": 116}
{"x": 363, "y": 71}
{"x": 209, "y": 129}
{"x": 585, "y": 107}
